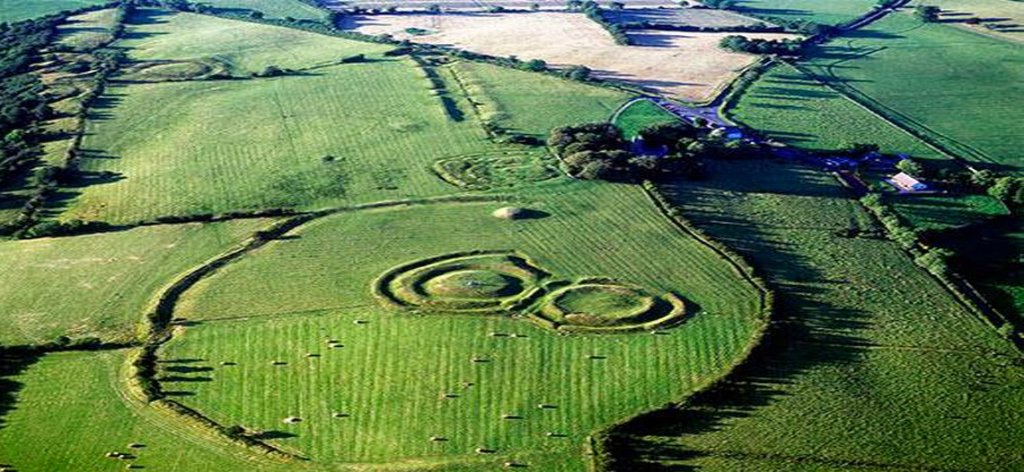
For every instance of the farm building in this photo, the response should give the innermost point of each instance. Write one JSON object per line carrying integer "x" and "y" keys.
{"x": 906, "y": 183}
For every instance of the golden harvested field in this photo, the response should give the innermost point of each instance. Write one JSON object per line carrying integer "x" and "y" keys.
{"x": 682, "y": 65}
{"x": 1001, "y": 18}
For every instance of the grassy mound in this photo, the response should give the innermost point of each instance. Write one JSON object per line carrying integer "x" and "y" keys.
{"x": 473, "y": 284}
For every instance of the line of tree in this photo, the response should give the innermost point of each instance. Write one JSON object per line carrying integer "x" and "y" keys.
{"x": 782, "y": 47}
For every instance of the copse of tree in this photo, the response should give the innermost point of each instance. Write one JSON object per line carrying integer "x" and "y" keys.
{"x": 580, "y": 73}
{"x": 591, "y": 151}
{"x": 1009, "y": 190}
{"x": 783, "y": 47}
{"x": 927, "y": 13}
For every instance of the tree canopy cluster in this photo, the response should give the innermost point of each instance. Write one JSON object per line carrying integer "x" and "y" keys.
{"x": 782, "y": 47}
{"x": 593, "y": 151}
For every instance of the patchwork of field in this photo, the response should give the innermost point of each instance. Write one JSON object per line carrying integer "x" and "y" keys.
{"x": 700, "y": 17}
{"x": 944, "y": 83}
{"x": 828, "y": 12}
{"x": 790, "y": 106}
{"x": 1000, "y": 18}
{"x": 17, "y": 10}
{"x": 477, "y": 5}
{"x": 71, "y": 408}
{"x": 432, "y": 387}
{"x": 100, "y": 285}
{"x": 880, "y": 367}
{"x": 687, "y": 66}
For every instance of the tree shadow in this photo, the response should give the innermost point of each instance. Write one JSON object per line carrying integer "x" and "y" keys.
{"x": 12, "y": 364}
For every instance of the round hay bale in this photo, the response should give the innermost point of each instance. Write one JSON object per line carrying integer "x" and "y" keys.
{"x": 338, "y": 414}
{"x": 292, "y": 420}
{"x": 510, "y": 213}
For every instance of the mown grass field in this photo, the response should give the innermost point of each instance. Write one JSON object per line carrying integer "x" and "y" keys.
{"x": 71, "y": 411}
{"x": 939, "y": 212}
{"x": 248, "y": 315}
{"x": 948, "y": 84}
{"x": 819, "y": 11}
{"x": 532, "y": 103}
{"x": 100, "y": 285}
{"x": 787, "y": 105}
{"x": 880, "y": 367}
{"x": 640, "y": 115}
{"x": 270, "y": 8}
{"x": 18, "y": 10}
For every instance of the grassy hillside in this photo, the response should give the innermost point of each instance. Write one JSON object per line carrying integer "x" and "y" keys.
{"x": 641, "y": 115}
{"x": 875, "y": 366}
{"x": 100, "y": 285}
{"x": 270, "y": 8}
{"x": 71, "y": 409}
{"x": 17, "y": 10}
{"x": 251, "y": 315}
{"x": 948, "y": 84}
{"x": 532, "y": 103}
{"x": 818, "y": 11}
{"x": 787, "y": 105}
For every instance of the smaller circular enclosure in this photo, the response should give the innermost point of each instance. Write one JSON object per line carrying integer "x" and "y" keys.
{"x": 606, "y": 306}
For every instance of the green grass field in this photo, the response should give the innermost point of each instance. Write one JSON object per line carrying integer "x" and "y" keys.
{"x": 17, "y": 10}
{"x": 640, "y": 115}
{"x": 71, "y": 410}
{"x": 879, "y": 368}
{"x": 88, "y": 30}
{"x": 100, "y": 285}
{"x": 948, "y": 84}
{"x": 270, "y": 8}
{"x": 787, "y": 105}
{"x": 939, "y": 212}
{"x": 250, "y": 315}
{"x": 532, "y": 103}
{"x": 818, "y": 11}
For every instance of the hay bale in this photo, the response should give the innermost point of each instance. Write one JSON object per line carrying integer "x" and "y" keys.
{"x": 485, "y": 450}
{"x": 360, "y": 322}
{"x": 338, "y": 414}
{"x": 292, "y": 420}
{"x": 510, "y": 213}
{"x": 136, "y": 445}
{"x": 438, "y": 438}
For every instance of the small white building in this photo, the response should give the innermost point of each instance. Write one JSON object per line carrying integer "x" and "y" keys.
{"x": 905, "y": 182}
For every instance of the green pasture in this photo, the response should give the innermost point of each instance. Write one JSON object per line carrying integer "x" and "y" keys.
{"x": 270, "y": 8}
{"x": 241, "y": 47}
{"x": 100, "y": 285}
{"x": 18, "y": 10}
{"x": 531, "y": 103}
{"x": 787, "y": 105}
{"x": 88, "y": 30}
{"x": 880, "y": 366}
{"x": 948, "y": 84}
{"x": 939, "y": 212}
{"x": 826, "y": 12}
{"x": 640, "y": 115}
{"x": 70, "y": 409}
{"x": 397, "y": 399}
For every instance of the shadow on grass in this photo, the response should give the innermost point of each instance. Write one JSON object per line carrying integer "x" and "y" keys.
{"x": 12, "y": 364}
{"x": 803, "y": 321}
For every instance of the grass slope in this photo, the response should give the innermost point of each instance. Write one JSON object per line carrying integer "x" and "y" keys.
{"x": 270, "y": 8}
{"x": 818, "y": 11}
{"x": 100, "y": 285}
{"x": 787, "y": 105}
{"x": 947, "y": 83}
{"x": 939, "y": 212}
{"x": 533, "y": 103}
{"x": 640, "y": 115}
{"x": 251, "y": 315}
{"x": 68, "y": 410}
{"x": 88, "y": 30}
{"x": 17, "y": 10}
{"x": 879, "y": 368}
